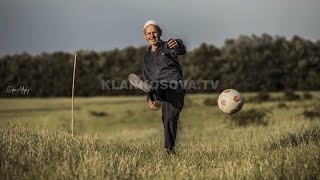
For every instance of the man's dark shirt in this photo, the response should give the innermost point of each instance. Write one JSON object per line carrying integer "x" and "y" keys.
{"x": 162, "y": 64}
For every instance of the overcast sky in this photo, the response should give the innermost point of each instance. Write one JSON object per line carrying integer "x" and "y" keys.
{"x": 35, "y": 26}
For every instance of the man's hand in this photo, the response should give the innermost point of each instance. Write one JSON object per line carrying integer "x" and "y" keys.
{"x": 152, "y": 104}
{"x": 172, "y": 43}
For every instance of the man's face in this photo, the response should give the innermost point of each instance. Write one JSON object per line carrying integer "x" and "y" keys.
{"x": 152, "y": 34}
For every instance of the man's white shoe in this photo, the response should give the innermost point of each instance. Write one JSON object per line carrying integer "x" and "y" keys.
{"x": 138, "y": 83}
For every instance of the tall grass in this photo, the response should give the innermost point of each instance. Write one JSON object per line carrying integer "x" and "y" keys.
{"x": 127, "y": 143}
{"x": 29, "y": 154}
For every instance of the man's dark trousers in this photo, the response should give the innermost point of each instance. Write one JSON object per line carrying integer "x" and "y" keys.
{"x": 173, "y": 101}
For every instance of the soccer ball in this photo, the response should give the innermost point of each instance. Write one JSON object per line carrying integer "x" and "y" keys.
{"x": 230, "y": 101}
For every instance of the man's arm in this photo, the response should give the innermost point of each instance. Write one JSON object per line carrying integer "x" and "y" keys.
{"x": 181, "y": 49}
{"x": 178, "y": 45}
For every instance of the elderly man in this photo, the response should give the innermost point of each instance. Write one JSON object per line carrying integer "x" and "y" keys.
{"x": 162, "y": 75}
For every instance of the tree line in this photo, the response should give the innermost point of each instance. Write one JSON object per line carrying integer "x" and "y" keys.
{"x": 246, "y": 63}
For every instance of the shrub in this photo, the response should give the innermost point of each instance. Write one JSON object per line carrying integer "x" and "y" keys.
{"x": 263, "y": 96}
{"x": 311, "y": 114}
{"x": 290, "y": 95}
{"x": 307, "y": 95}
{"x": 98, "y": 114}
{"x": 250, "y": 117}
{"x": 312, "y": 134}
{"x": 210, "y": 102}
{"x": 260, "y": 97}
{"x": 282, "y": 105}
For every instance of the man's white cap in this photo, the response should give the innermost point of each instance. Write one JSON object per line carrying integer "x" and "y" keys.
{"x": 149, "y": 23}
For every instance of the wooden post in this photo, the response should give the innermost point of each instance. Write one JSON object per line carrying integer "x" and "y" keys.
{"x": 73, "y": 78}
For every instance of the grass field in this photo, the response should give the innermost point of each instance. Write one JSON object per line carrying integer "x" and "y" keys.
{"x": 119, "y": 137}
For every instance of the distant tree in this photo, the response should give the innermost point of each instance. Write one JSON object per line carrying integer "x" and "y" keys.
{"x": 247, "y": 63}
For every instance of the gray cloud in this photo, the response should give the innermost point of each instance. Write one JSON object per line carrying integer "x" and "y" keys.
{"x": 43, "y": 25}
